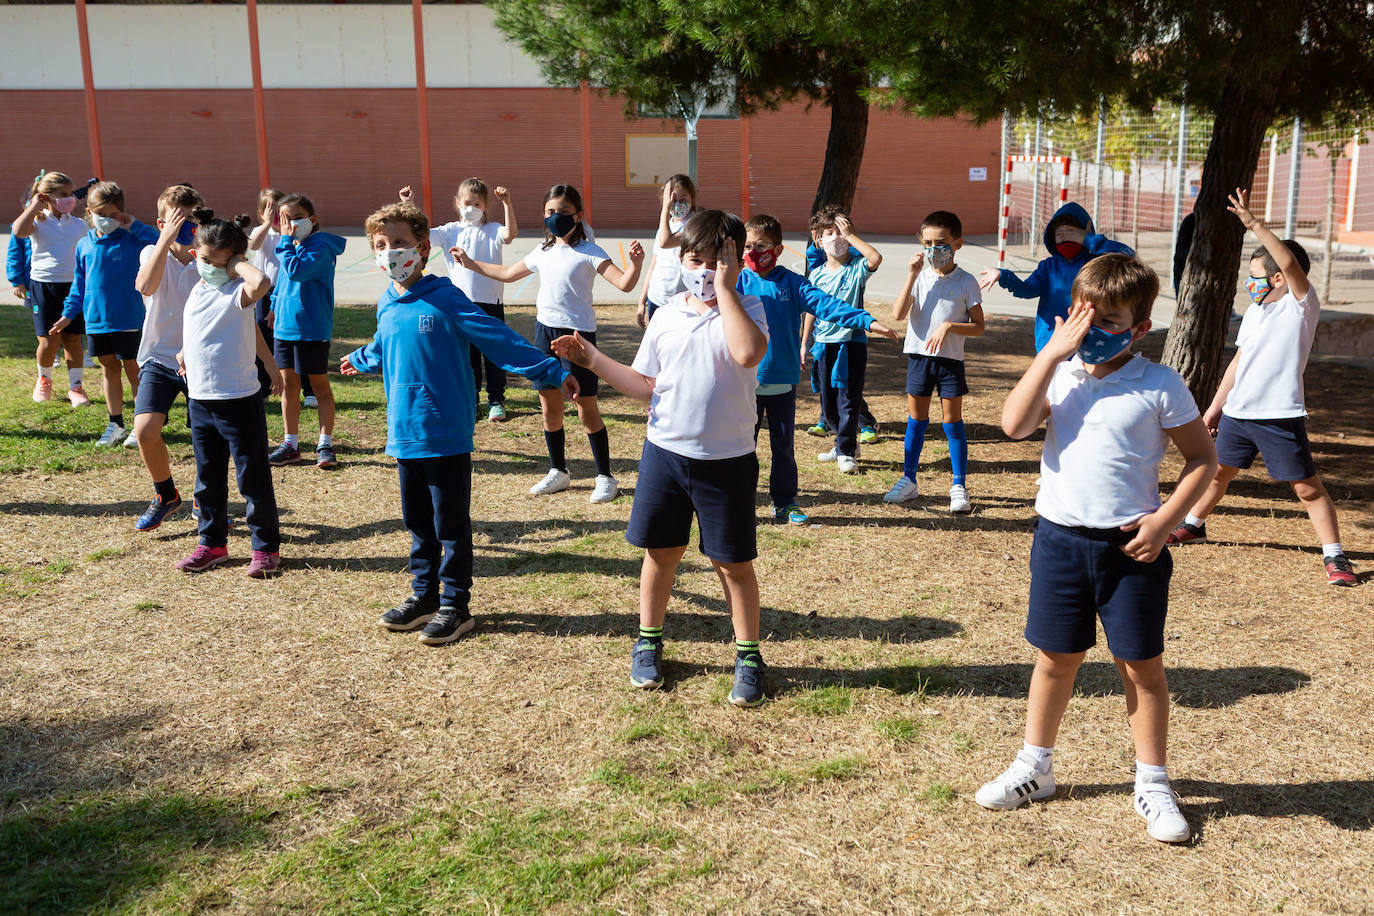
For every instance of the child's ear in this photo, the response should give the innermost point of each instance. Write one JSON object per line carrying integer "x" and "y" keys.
{"x": 956, "y": 244}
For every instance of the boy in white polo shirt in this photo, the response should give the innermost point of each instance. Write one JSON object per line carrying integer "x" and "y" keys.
{"x": 1259, "y": 408}
{"x": 1099, "y": 541}
{"x": 695, "y": 367}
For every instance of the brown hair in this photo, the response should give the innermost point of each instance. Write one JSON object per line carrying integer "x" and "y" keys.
{"x": 706, "y": 230}
{"x": 473, "y": 185}
{"x": 221, "y": 234}
{"x": 269, "y": 196}
{"x": 944, "y": 219}
{"x": 298, "y": 200}
{"x": 105, "y": 192}
{"x": 409, "y": 214}
{"x": 825, "y": 218}
{"x": 766, "y": 226}
{"x": 1117, "y": 280}
{"x": 680, "y": 182}
{"x": 178, "y": 195}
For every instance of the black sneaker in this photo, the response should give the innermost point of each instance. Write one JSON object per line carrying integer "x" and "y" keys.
{"x": 447, "y": 626}
{"x": 283, "y": 455}
{"x": 409, "y": 614}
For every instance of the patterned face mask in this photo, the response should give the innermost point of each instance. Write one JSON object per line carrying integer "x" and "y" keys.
{"x": 680, "y": 210}
{"x": 939, "y": 256}
{"x": 398, "y": 263}
{"x": 1100, "y": 345}
{"x": 701, "y": 282}
{"x": 1258, "y": 288}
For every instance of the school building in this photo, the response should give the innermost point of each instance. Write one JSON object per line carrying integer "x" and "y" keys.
{"x": 346, "y": 102}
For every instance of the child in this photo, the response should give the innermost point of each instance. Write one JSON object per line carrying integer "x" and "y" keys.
{"x": 567, "y": 263}
{"x": 425, "y": 325}
{"x": 220, "y": 340}
{"x": 51, "y": 228}
{"x": 262, "y": 241}
{"x": 1259, "y": 405}
{"x": 841, "y": 354}
{"x": 868, "y": 425}
{"x": 166, "y": 275}
{"x": 695, "y": 367}
{"x": 1071, "y": 242}
{"x": 103, "y": 293}
{"x": 303, "y": 304}
{"x": 482, "y": 239}
{"x": 665, "y": 270}
{"x": 1099, "y": 541}
{"x": 785, "y": 296}
{"x": 947, "y": 308}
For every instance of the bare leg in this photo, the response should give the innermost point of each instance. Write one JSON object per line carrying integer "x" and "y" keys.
{"x": 131, "y": 371}
{"x": 156, "y": 458}
{"x": 324, "y": 395}
{"x": 71, "y": 345}
{"x": 551, "y": 408}
{"x": 1147, "y": 707}
{"x": 589, "y": 414}
{"x": 918, "y": 408}
{"x": 291, "y": 402}
{"x": 1320, "y": 509}
{"x": 1051, "y": 687}
{"x": 1214, "y": 492}
{"x": 742, "y": 597}
{"x": 656, "y": 583}
{"x": 47, "y": 350}
{"x": 112, "y": 384}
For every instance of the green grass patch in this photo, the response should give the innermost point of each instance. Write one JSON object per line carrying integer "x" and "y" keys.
{"x": 149, "y": 606}
{"x": 938, "y": 794}
{"x": 900, "y": 730}
{"x": 18, "y": 582}
{"x": 825, "y": 701}
{"x": 843, "y": 767}
{"x": 104, "y": 553}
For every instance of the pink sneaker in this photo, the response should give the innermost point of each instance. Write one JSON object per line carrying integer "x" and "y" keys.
{"x": 42, "y": 390}
{"x": 264, "y": 564}
{"x": 202, "y": 558}
{"x": 77, "y": 396}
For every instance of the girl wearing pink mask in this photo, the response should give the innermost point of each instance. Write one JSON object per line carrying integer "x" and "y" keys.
{"x": 665, "y": 270}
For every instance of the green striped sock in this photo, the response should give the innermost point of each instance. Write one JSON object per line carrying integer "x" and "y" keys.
{"x": 654, "y": 634}
{"x": 745, "y": 647}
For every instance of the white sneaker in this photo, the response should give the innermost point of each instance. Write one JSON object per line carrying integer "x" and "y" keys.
{"x": 826, "y": 456}
{"x": 1022, "y": 782}
{"x": 310, "y": 401}
{"x": 111, "y": 436}
{"x": 846, "y": 464}
{"x": 555, "y": 481}
{"x": 902, "y": 491}
{"x": 958, "y": 500}
{"x": 132, "y": 440}
{"x": 606, "y": 489}
{"x": 1156, "y": 802}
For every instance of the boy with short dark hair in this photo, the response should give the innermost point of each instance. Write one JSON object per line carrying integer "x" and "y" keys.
{"x": 425, "y": 325}
{"x": 1259, "y": 407}
{"x": 1099, "y": 540}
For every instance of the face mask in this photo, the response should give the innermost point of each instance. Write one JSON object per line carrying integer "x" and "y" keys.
{"x": 64, "y": 204}
{"x": 680, "y": 210}
{"x": 104, "y": 224}
{"x": 1258, "y": 288}
{"x": 1068, "y": 250}
{"x": 472, "y": 214}
{"x": 300, "y": 228}
{"x": 398, "y": 263}
{"x": 835, "y": 245}
{"x": 760, "y": 262}
{"x": 939, "y": 256}
{"x": 1100, "y": 345}
{"x": 560, "y": 224}
{"x": 213, "y": 276}
{"x": 701, "y": 282}
{"x": 187, "y": 234}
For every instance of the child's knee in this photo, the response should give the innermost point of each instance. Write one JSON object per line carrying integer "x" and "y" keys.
{"x": 1147, "y": 675}
{"x": 1058, "y": 664}
{"x": 1309, "y": 490}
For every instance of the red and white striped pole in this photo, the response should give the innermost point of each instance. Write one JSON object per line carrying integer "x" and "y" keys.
{"x": 1004, "y": 217}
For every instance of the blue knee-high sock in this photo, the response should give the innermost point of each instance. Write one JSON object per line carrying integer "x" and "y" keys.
{"x": 911, "y": 451}
{"x": 958, "y": 450}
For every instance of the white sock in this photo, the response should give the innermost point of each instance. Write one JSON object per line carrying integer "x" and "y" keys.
{"x": 1332, "y": 550}
{"x": 293, "y": 440}
{"x": 45, "y": 372}
{"x": 326, "y": 440}
{"x": 74, "y": 378}
{"x": 1193, "y": 520}
{"x": 1044, "y": 756}
{"x": 1147, "y": 773}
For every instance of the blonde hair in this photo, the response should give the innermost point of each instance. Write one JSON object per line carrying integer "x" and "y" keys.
{"x": 1116, "y": 280}
{"x": 105, "y": 192}
{"x": 269, "y": 196}
{"x": 47, "y": 183}
{"x": 178, "y": 195}
{"x": 409, "y": 214}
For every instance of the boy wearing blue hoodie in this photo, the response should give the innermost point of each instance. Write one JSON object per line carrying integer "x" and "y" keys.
{"x": 1072, "y": 242}
{"x": 786, "y": 296}
{"x": 103, "y": 293}
{"x": 303, "y": 303}
{"x": 425, "y": 326}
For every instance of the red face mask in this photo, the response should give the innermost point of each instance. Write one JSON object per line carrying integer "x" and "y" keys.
{"x": 760, "y": 262}
{"x": 1069, "y": 250}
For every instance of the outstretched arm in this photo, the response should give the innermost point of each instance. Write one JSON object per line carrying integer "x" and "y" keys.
{"x": 1293, "y": 274}
{"x": 502, "y": 273}
{"x": 618, "y": 375}
{"x": 624, "y": 280}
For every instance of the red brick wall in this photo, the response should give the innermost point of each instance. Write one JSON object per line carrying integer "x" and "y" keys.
{"x": 350, "y": 149}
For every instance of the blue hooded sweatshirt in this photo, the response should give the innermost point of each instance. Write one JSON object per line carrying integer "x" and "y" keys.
{"x": 421, "y": 349}
{"x": 1052, "y": 279}
{"x": 103, "y": 284}
{"x": 304, "y": 295}
{"x": 785, "y": 296}
{"x": 17, "y": 260}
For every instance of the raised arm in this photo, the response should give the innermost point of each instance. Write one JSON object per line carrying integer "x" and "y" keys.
{"x": 510, "y": 230}
{"x": 901, "y": 306}
{"x": 624, "y": 280}
{"x": 502, "y": 273}
{"x": 255, "y": 282}
{"x": 1027, "y": 406}
{"x": 871, "y": 255}
{"x": 150, "y": 271}
{"x": 1288, "y": 265}
{"x": 259, "y": 233}
{"x": 664, "y": 238}
{"x": 23, "y": 226}
{"x": 746, "y": 340}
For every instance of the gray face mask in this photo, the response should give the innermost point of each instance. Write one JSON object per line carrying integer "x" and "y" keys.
{"x": 939, "y": 256}
{"x": 104, "y": 224}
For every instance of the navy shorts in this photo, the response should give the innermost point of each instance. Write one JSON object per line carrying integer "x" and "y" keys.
{"x": 928, "y": 374}
{"x": 1282, "y": 443}
{"x": 47, "y": 300}
{"x": 158, "y": 388}
{"x": 672, "y": 487}
{"x": 120, "y": 344}
{"x": 587, "y": 382}
{"x": 304, "y": 357}
{"x": 1079, "y": 575}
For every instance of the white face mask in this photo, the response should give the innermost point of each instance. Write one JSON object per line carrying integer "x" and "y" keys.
{"x": 835, "y": 245}
{"x": 700, "y": 282}
{"x": 398, "y": 263}
{"x": 104, "y": 224}
{"x": 300, "y": 228}
{"x": 474, "y": 215}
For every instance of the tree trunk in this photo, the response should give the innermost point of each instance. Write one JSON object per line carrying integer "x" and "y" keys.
{"x": 1197, "y": 337}
{"x": 844, "y": 148}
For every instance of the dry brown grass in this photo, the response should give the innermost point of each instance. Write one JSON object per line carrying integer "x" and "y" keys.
{"x": 893, "y": 634}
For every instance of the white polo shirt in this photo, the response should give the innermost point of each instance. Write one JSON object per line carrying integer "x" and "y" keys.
{"x": 163, "y": 311}
{"x": 54, "y": 247}
{"x": 482, "y": 243}
{"x": 1275, "y": 339}
{"x": 703, "y": 402}
{"x": 566, "y": 276}
{"x": 219, "y": 343}
{"x": 1105, "y": 439}
{"x": 940, "y": 298}
{"x": 265, "y": 258}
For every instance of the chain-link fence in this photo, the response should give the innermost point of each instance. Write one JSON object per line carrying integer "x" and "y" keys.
{"x": 1138, "y": 175}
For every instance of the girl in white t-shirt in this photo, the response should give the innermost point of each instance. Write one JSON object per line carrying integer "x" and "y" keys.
{"x": 53, "y": 224}
{"x": 567, "y": 263}
{"x": 228, "y": 419}
{"x": 665, "y": 270}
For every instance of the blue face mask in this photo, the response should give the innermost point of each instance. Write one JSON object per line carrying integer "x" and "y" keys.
{"x": 560, "y": 224}
{"x": 1100, "y": 345}
{"x": 213, "y": 276}
{"x": 187, "y": 234}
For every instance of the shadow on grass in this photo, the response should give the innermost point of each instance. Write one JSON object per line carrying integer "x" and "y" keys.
{"x": 1344, "y": 803}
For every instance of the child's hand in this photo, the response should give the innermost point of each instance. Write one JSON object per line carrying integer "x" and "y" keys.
{"x": 727, "y": 264}
{"x": 882, "y": 330}
{"x": 501, "y": 194}
{"x": 988, "y": 279}
{"x": 1067, "y": 233}
{"x": 268, "y": 214}
{"x": 1067, "y": 335}
{"x": 181, "y": 363}
{"x": 937, "y": 340}
{"x": 1240, "y": 206}
{"x": 844, "y": 227}
{"x": 125, "y": 220}
{"x": 234, "y": 264}
{"x": 346, "y": 367}
{"x": 460, "y": 256}
{"x": 636, "y": 253}
{"x": 918, "y": 260}
{"x": 58, "y": 325}
{"x": 21, "y": 292}
{"x": 406, "y": 194}
{"x": 642, "y": 315}
{"x": 574, "y": 348}
{"x": 278, "y": 380}
{"x": 1212, "y": 420}
{"x": 271, "y": 318}
{"x": 1151, "y": 531}
{"x": 44, "y": 199}
{"x": 570, "y": 388}
{"x": 804, "y": 354}
{"x": 172, "y": 225}
{"x": 667, "y": 195}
